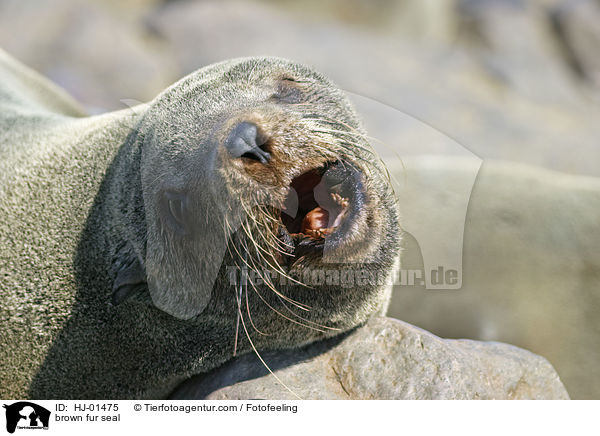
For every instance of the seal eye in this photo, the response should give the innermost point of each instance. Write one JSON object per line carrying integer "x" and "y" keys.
{"x": 288, "y": 91}
{"x": 173, "y": 207}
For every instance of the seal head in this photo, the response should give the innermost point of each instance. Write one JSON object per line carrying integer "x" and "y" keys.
{"x": 259, "y": 163}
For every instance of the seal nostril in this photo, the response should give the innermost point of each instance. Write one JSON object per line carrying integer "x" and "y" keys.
{"x": 244, "y": 141}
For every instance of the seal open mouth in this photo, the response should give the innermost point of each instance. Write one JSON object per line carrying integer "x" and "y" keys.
{"x": 321, "y": 205}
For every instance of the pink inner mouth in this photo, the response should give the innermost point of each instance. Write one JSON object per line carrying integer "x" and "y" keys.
{"x": 315, "y": 219}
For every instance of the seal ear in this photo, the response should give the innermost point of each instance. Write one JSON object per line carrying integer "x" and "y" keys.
{"x": 182, "y": 266}
{"x": 180, "y": 283}
{"x": 130, "y": 279}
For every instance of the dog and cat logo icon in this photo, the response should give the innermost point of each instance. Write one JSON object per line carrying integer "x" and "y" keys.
{"x": 26, "y": 415}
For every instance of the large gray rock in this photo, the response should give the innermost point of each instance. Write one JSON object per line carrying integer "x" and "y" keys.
{"x": 577, "y": 25}
{"x": 386, "y": 359}
{"x": 98, "y": 51}
{"x": 531, "y": 263}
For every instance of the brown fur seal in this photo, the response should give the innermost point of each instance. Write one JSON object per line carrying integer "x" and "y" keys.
{"x": 122, "y": 235}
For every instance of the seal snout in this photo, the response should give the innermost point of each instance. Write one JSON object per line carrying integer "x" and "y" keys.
{"x": 246, "y": 141}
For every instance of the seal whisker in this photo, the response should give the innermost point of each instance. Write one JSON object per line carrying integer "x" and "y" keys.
{"x": 252, "y": 267}
{"x": 322, "y": 326}
{"x": 373, "y": 138}
{"x": 333, "y": 121}
{"x": 256, "y": 245}
{"x": 248, "y": 310}
{"x": 366, "y": 137}
{"x": 270, "y": 243}
{"x": 243, "y": 286}
{"x": 351, "y": 130}
{"x": 263, "y": 361}
{"x": 298, "y": 304}
{"x": 325, "y": 118}
{"x": 346, "y": 132}
{"x": 301, "y": 104}
{"x": 267, "y": 280}
{"x": 277, "y": 267}
{"x": 284, "y": 316}
{"x": 352, "y": 147}
{"x": 332, "y": 131}
{"x": 237, "y": 323}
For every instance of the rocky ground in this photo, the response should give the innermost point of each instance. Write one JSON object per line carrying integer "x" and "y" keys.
{"x": 530, "y": 260}
{"x": 387, "y": 360}
{"x": 472, "y": 81}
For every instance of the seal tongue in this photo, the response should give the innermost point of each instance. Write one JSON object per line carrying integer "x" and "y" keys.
{"x": 316, "y": 209}
{"x": 316, "y": 219}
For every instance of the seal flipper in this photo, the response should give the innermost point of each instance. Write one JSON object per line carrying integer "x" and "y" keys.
{"x": 130, "y": 279}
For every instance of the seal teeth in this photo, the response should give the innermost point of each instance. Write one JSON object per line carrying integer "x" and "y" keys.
{"x": 318, "y": 233}
{"x": 341, "y": 201}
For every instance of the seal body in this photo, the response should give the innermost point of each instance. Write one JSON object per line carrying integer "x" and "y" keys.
{"x": 126, "y": 239}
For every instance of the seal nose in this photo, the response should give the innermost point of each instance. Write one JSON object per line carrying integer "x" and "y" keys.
{"x": 244, "y": 141}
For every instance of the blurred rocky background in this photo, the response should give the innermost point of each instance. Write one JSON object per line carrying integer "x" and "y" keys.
{"x": 514, "y": 84}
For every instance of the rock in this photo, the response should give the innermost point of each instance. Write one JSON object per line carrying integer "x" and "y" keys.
{"x": 514, "y": 42}
{"x": 576, "y": 24}
{"x": 487, "y": 74}
{"x": 531, "y": 264}
{"x": 386, "y": 359}
{"x": 95, "y": 50}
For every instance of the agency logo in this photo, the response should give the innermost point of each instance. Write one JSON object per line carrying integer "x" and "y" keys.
{"x": 26, "y": 415}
